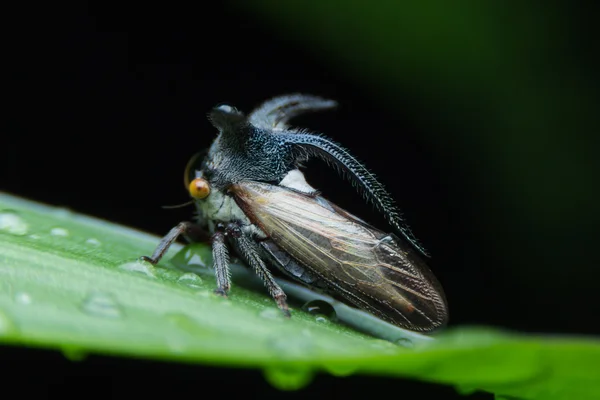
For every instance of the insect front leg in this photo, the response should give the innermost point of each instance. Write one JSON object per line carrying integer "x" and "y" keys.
{"x": 250, "y": 251}
{"x": 191, "y": 232}
{"x": 221, "y": 263}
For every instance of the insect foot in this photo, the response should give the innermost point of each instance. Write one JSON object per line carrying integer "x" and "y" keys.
{"x": 148, "y": 259}
{"x": 280, "y": 299}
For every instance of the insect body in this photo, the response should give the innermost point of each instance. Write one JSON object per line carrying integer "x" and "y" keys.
{"x": 251, "y": 197}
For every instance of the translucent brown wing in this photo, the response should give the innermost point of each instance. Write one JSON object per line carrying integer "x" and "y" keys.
{"x": 373, "y": 270}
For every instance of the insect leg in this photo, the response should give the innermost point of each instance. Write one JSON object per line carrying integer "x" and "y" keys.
{"x": 187, "y": 229}
{"x": 221, "y": 263}
{"x": 250, "y": 251}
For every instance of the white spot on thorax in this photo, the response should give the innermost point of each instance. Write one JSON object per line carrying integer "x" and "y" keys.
{"x": 218, "y": 207}
{"x": 295, "y": 180}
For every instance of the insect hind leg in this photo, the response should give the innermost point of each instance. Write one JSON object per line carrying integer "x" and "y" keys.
{"x": 251, "y": 254}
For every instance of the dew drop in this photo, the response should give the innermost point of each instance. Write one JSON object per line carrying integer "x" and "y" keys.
{"x": 384, "y": 346}
{"x": 100, "y": 304}
{"x": 23, "y": 298}
{"x": 11, "y": 222}
{"x": 62, "y": 232}
{"x": 341, "y": 368}
{"x": 7, "y": 326}
{"x": 322, "y": 310}
{"x": 176, "y": 344}
{"x": 287, "y": 377}
{"x": 140, "y": 267}
{"x": 193, "y": 256}
{"x": 73, "y": 353}
{"x": 405, "y": 342}
{"x": 196, "y": 261}
{"x": 167, "y": 274}
{"x": 272, "y": 314}
{"x": 285, "y": 347}
{"x": 93, "y": 242}
{"x": 190, "y": 279}
{"x": 188, "y": 325}
{"x": 62, "y": 212}
{"x": 465, "y": 390}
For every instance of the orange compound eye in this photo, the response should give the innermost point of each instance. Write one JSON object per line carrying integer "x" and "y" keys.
{"x": 199, "y": 188}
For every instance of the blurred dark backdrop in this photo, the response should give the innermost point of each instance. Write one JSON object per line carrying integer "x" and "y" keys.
{"x": 481, "y": 120}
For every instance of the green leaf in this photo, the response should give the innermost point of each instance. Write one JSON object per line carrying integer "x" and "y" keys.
{"x": 73, "y": 283}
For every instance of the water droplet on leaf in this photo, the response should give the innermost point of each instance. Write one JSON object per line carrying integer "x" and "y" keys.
{"x": 193, "y": 256}
{"x": 292, "y": 346}
{"x": 189, "y": 325}
{"x": 62, "y": 212}
{"x": 190, "y": 279}
{"x": 272, "y": 313}
{"x": 384, "y": 346}
{"x": 13, "y": 223}
{"x": 59, "y": 232}
{"x": 287, "y": 377}
{"x": 93, "y": 242}
{"x": 341, "y": 368}
{"x": 22, "y": 298}
{"x": 140, "y": 267}
{"x": 322, "y": 310}
{"x": 167, "y": 274}
{"x": 405, "y": 342}
{"x": 72, "y": 353}
{"x": 100, "y": 304}
{"x": 466, "y": 390}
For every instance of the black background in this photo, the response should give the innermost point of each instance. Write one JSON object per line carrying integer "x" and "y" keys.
{"x": 107, "y": 105}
